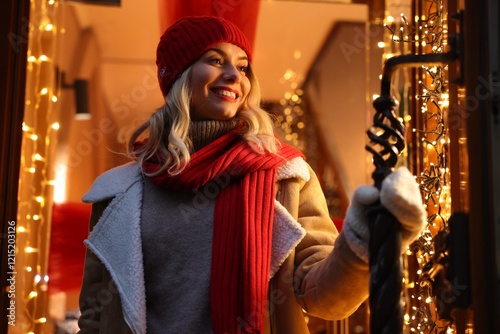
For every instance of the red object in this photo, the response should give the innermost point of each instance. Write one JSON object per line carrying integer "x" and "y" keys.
{"x": 338, "y": 222}
{"x": 69, "y": 228}
{"x": 243, "y": 13}
{"x": 187, "y": 39}
{"x": 243, "y": 218}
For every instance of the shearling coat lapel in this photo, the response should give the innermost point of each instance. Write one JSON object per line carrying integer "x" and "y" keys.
{"x": 116, "y": 238}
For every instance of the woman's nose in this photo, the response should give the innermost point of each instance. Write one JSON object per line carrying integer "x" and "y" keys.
{"x": 231, "y": 73}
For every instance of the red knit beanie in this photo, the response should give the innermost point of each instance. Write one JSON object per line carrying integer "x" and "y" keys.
{"x": 187, "y": 39}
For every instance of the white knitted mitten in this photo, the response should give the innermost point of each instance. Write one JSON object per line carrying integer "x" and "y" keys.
{"x": 355, "y": 226}
{"x": 400, "y": 196}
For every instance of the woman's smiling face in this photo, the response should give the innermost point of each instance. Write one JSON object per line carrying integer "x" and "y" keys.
{"x": 219, "y": 83}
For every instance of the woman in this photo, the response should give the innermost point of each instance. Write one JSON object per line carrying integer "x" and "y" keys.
{"x": 217, "y": 227}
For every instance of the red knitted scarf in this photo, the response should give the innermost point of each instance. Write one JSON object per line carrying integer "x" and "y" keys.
{"x": 244, "y": 183}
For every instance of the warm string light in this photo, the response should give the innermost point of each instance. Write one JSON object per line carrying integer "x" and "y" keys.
{"x": 404, "y": 32}
{"x": 290, "y": 121}
{"x": 36, "y": 183}
{"x": 430, "y": 32}
{"x": 290, "y": 114}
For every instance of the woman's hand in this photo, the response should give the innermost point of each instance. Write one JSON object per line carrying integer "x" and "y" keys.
{"x": 400, "y": 195}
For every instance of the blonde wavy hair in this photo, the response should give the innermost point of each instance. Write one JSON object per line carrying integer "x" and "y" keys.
{"x": 168, "y": 128}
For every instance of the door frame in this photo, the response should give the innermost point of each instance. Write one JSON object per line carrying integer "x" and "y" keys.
{"x": 14, "y": 24}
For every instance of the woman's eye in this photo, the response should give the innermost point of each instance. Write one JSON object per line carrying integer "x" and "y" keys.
{"x": 243, "y": 69}
{"x": 217, "y": 61}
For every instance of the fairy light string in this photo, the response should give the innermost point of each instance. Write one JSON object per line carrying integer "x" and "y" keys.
{"x": 289, "y": 119}
{"x": 40, "y": 126}
{"x": 426, "y": 311}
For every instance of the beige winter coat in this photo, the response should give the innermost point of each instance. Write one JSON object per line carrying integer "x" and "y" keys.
{"x": 315, "y": 277}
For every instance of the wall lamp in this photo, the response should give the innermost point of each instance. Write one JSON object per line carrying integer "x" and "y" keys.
{"x": 81, "y": 88}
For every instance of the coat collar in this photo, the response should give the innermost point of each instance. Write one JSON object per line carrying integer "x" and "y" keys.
{"x": 118, "y": 244}
{"x": 116, "y": 239}
{"x": 113, "y": 182}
